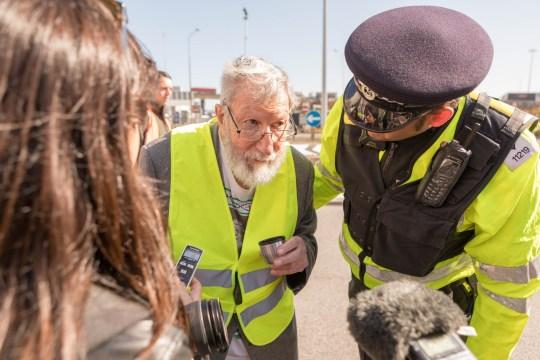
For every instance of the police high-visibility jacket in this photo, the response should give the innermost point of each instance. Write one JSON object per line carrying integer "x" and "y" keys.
{"x": 199, "y": 215}
{"x": 489, "y": 225}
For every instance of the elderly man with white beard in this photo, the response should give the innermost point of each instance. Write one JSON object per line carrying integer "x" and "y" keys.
{"x": 230, "y": 183}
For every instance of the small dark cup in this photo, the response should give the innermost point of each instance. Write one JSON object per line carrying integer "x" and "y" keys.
{"x": 269, "y": 248}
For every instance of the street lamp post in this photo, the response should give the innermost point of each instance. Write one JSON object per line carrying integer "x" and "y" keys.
{"x": 196, "y": 30}
{"x": 324, "y": 95}
{"x": 532, "y": 51}
{"x": 245, "y": 30}
{"x": 342, "y": 67}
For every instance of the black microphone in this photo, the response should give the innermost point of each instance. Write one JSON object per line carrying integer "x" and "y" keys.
{"x": 386, "y": 320}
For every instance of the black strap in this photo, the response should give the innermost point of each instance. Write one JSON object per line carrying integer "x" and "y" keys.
{"x": 304, "y": 174}
{"x": 481, "y": 107}
{"x": 474, "y": 122}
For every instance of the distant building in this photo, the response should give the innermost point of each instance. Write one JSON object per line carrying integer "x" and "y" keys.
{"x": 529, "y": 102}
{"x": 178, "y": 106}
{"x": 204, "y": 100}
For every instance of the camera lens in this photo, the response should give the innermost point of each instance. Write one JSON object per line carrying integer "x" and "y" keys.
{"x": 207, "y": 328}
{"x": 218, "y": 326}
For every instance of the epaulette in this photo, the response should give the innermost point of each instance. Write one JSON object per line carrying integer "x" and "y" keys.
{"x": 518, "y": 120}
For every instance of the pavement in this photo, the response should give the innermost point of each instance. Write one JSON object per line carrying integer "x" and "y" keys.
{"x": 309, "y": 144}
{"x": 321, "y": 307}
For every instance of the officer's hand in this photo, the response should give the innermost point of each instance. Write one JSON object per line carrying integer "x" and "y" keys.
{"x": 292, "y": 257}
{"x": 191, "y": 294}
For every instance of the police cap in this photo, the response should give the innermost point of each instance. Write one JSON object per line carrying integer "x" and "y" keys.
{"x": 421, "y": 55}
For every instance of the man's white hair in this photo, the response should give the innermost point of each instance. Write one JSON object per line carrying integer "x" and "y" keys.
{"x": 263, "y": 80}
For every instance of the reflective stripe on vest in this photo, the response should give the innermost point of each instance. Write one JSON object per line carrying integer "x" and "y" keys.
{"x": 347, "y": 251}
{"x": 462, "y": 262}
{"x": 516, "y": 274}
{"x": 256, "y": 279}
{"x": 324, "y": 171}
{"x": 199, "y": 215}
{"x": 350, "y": 251}
{"x": 209, "y": 277}
{"x": 459, "y": 264}
{"x": 518, "y": 305}
{"x": 263, "y": 306}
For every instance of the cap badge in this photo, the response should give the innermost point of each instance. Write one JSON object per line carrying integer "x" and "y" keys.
{"x": 366, "y": 92}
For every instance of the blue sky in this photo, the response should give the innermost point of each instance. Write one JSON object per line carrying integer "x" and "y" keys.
{"x": 289, "y": 33}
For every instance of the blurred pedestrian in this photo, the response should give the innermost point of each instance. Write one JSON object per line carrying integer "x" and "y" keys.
{"x": 85, "y": 268}
{"x": 158, "y": 123}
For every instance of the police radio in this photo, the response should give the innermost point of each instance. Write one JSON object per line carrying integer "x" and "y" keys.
{"x": 445, "y": 170}
{"x": 186, "y": 266}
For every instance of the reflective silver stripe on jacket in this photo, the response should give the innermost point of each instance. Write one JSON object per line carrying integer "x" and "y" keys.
{"x": 348, "y": 251}
{"x": 265, "y": 305}
{"x": 225, "y": 316}
{"x": 256, "y": 279}
{"x": 518, "y": 305}
{"x": 462, "y": 263}
{"x": 324, "y": 171}
{"x": 381, "y": 275}
{"x": 207, "y": 277}
{"x": 515, "y": 274}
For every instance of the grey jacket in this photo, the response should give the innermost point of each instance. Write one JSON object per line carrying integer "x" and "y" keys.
{"x": 119, "y": 328}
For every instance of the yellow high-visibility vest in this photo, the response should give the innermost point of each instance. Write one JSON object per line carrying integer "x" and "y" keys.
{"x": 199, "y": 215}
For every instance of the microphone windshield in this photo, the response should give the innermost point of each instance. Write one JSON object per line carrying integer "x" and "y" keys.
{"x": 384, "y": 320}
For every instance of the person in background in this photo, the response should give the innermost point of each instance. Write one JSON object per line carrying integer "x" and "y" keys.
{"x": 370, "y": 112}
{"x": 230, "y": 183}
{"x": 441, "y": 186}
{"x": 158, "y": 124}
{"x": 85, "y": 267}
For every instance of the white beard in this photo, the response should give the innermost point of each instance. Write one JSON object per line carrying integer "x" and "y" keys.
{"x": 246, "y": 174}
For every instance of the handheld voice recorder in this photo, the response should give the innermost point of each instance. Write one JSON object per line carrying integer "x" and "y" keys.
{"x": 186, "y": 266}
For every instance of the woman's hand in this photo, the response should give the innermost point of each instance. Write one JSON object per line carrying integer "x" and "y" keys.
{"x": 191, "y": 294}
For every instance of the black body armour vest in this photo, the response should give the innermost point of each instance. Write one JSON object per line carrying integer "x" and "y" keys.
{"x": 384, "y": 218}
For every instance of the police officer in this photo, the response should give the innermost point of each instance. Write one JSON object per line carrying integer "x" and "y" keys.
{"x": 443, "y": 187}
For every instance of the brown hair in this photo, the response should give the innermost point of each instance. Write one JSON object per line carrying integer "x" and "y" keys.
{"x": 73, "y": 208}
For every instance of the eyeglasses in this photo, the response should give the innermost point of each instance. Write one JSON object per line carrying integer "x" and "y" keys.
{"x": 254, "y": 130}
{"x": 373, "y": 116}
